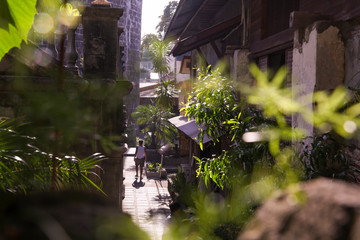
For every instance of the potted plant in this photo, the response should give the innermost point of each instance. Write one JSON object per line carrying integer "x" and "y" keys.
{"x": 154, "y": 170}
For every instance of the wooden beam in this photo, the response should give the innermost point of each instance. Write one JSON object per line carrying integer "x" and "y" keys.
{"x": 216, "y": 49}
{"x": 206, "y": 36}
{"x": 192, "y": 18}
{"x": 300, "y": 19}
{"x": 202, "y": 56}
{"x": 174, "y": 19}
{"x": 285, "y": 37}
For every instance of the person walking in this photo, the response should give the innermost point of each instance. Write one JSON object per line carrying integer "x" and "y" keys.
{"x": 140, "y": 158}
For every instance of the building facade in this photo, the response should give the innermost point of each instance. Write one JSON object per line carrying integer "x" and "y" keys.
{"x": 317, "y": 41}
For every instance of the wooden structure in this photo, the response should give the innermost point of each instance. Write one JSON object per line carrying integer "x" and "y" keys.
{"x": 215, "y": 28}
{"x": 318, "y": 41}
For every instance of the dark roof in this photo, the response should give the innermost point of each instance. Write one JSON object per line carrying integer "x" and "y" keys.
{"x": 184, "y": 12}
{"x": 192, "y": 16}
{"x": 198, "y": 22}
{"x": 211, "y": 34}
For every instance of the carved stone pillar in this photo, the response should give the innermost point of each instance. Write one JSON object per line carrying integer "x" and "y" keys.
{"x": 101, "y": 55}
{"x": 71, "y": 54}
{"x": 113, "y": 175}
{"x": 101, "y": 41}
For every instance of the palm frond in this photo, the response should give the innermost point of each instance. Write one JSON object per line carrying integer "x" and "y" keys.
{"x": 24, "y": 167}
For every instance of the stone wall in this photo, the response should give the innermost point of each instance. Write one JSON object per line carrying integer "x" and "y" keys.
{"x": 131, "y": 40}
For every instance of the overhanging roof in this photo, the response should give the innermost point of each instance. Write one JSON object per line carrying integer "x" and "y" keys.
{"x": 189, "y": 127}
{"x": 184, "y": 12}
{"x": 211, "y": 34}
{"x": 192, "y": 16}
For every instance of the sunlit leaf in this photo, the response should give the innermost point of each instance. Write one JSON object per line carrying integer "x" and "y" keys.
{"x": 19, "y": 23}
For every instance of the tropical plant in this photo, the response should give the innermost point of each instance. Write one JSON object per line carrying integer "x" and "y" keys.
{"x": 213, "y": 102}
{"x": 181, "y": 190}
{"x": 24, "y": 167}
{"x": 165, "y": 94}
{"x": 154, "y": 123}
{"x": 159, "y": 51}
{"x": 153, "y": 167}
{"x": 325, "y": 157}
{"x": 280, "y": 170}
{"x": 147, "y": 40}
{"x": 64, "y": 115}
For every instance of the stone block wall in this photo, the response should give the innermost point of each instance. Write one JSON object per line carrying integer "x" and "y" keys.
{"x": 131, "y": 40}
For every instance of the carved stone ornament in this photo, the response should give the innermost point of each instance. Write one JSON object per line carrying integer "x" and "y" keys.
{"x": 101, "y": 3}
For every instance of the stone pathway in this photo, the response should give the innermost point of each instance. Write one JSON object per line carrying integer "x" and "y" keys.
{"x": 147, "y": 201}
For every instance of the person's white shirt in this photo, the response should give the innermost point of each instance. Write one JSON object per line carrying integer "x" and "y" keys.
{"x": 140, "y": 152}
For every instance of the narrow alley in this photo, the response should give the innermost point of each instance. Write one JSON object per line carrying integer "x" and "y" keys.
{"x": 147, "y": 201}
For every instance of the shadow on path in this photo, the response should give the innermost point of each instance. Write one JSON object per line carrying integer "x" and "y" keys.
{"x": 131, "y": 168}
{"x": 137, "y": 184}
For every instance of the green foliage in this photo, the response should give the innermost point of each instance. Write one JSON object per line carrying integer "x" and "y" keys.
{"x": 61, "y": 121}
{"x": 16, "y": 18}
{"x": 59, "y": 115}
{"x": 24, "y": 167}
{"x": 159, "y": 52}
{"x": 166, "y": 17}
{"x": 165, "y": 93}
{"x": 210, "y": 215}
{"x": 130, "y": 132}
{"x": 147, "y": 40}
{"x": 325, "y": 156}
{"x": 328, "y": 112}
{"x": 155, "y": 124}
{"x": 212, "y": 103}
{"x": 261, "y": 159}
{"x": 182, "y": 190}
{"x": 153, "y": 167}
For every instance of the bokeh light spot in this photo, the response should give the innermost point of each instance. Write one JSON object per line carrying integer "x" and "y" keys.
{"x": 252, "y": 137}
{"x": 43, "y": 57}
{"x": 43, "y": 23}
{"x": 350, "y": 126}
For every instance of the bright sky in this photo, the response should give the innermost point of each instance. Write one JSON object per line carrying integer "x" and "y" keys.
{"x": 151, "y": 10}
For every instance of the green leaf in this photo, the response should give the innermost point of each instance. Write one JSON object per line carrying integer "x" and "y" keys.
{"x": 5, "y": 16}
{"x": 16, "y": 23}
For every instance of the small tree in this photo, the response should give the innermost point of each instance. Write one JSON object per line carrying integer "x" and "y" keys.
{"x": 147, "y": 40}
{"x": 155, "y": 124}
{"x": 159, "y": 51}
{"x": 165, "y": 19}
{"x": 165, "y": 95}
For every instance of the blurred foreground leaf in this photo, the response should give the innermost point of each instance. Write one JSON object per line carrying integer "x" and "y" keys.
{"x": 15, "y": 23}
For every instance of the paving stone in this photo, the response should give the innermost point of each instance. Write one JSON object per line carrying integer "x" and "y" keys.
{"x": 147, "y": 201}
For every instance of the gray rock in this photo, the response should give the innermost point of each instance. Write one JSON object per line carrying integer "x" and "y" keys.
{"x": 322, "y": 209}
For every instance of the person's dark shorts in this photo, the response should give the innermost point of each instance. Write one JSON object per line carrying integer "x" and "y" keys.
{"x": 139, "y": 161}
